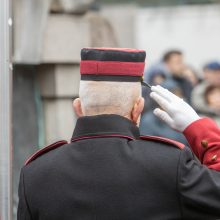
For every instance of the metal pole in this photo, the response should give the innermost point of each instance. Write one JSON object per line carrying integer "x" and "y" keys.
{"x": 5, "y": 111}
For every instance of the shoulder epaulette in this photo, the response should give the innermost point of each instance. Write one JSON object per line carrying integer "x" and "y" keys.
{"x": 164, "y": 140}
{"x": 45, "y": 150}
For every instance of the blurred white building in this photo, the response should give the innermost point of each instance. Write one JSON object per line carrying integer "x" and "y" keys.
{"x": 193, "y": 29}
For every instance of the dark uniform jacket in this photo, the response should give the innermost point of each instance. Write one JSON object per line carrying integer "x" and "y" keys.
{"x": 109, "y": 172}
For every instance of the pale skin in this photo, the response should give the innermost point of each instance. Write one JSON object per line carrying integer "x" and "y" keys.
{"x": 134, "y": 114}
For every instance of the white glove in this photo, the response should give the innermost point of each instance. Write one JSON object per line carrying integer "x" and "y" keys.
{"x": 176, "y": 113}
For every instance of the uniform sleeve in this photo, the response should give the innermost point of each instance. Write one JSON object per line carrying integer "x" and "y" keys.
{"x": 203, "y": 136}
{"x": 23, "y": 209}
{"x": 198, "y": 187}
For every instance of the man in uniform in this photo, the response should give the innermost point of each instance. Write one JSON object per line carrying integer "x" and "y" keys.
{"x": 108, "y": 171}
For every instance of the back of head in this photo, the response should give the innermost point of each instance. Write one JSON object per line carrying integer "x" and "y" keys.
{"x": 103, "y": 97}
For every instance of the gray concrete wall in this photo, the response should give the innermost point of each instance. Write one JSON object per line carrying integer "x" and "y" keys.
{"x": 59, "y": 85}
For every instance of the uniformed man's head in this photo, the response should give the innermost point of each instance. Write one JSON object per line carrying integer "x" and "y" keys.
{"x": 111, "y": 83}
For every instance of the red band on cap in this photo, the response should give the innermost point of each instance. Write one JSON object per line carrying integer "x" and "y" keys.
{"x": 112, "y": 68}
{"x": 115, "y": 49}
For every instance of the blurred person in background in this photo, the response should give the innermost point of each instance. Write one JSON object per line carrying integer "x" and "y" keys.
{"x": 212, "y": 73}
{"x": 174, "y": 63}
{"x": 191, "y": 75}
{"x": 212, "y": 98}
{"x": 155, "y": 75}
{"x": 199, "y": 95}
{"x": 152, "y": 125}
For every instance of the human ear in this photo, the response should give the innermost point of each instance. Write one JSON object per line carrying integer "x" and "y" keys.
{"x": 137, "y": 110}
{"x": 77, "y": 107}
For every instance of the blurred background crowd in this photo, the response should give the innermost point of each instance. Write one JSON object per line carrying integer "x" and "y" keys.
{"x": 200, "y": 90}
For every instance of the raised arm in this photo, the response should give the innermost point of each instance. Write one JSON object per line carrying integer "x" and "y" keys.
{"x": 202, "y": 134}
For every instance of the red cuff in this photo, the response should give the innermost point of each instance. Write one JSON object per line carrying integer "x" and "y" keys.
{"x": 203, "y": 136}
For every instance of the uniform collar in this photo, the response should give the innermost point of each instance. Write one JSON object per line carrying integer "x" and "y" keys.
{"x": 105, "y": 126}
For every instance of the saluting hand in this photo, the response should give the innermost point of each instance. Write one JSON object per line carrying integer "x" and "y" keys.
{"x": 176, "y": 113}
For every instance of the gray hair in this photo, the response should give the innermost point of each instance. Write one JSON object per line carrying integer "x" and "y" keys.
{"x": 104, "y": 97}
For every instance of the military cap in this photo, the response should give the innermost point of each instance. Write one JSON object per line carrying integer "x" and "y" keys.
{"x": 112, "y": 64}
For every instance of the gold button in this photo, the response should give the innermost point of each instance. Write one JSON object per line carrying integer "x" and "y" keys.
{"x": 204, "y": 143}
{"x": 214, "y": 158}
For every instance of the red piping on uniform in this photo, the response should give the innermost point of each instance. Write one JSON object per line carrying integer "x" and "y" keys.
{"x": 112, "y": 68}
{"x": 102, "y": 136}
{"x": 44, "y": 150}
{"x": 167, "y": 140}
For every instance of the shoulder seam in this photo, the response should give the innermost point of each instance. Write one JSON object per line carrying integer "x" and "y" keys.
{"x": 45, "y": 150}
{"x": 164, "y": 140}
